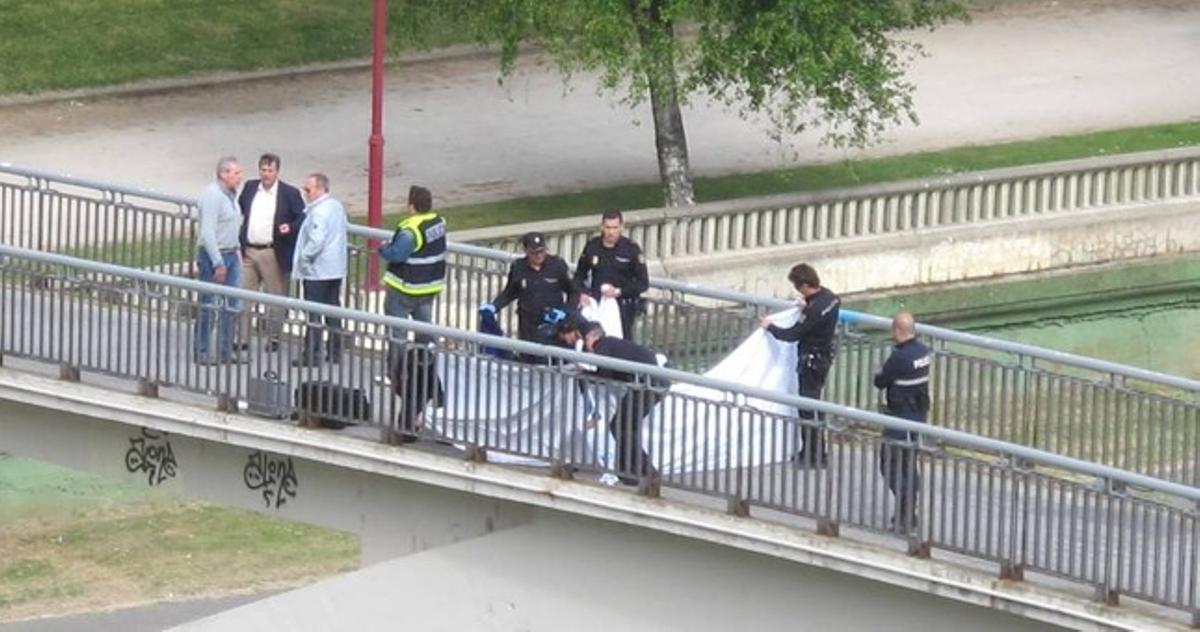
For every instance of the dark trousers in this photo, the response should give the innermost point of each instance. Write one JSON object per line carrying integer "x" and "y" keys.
{"x": 324, "y": 291}
{"x": 626, "y": 425}
{"x": 811, "y": 376}
{"x": 415, "y": 381}
{"x": 527, "y": 330}
{"x": 898, "y": 465}
{"x": 629, "y": 312}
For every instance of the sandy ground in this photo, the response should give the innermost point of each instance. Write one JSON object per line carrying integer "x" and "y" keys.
{"x": 1023, "y": 71}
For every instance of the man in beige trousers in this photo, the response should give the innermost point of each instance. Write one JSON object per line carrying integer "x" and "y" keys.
{"x": 272, "y": 212}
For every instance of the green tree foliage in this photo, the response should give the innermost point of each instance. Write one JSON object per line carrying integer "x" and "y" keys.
{"x": 835, "y": 64}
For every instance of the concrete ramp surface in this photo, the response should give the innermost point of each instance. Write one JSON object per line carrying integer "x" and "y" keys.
{"x": 564, "y": 573}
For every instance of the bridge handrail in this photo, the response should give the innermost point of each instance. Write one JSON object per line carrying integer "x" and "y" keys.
{"x": 780, "y": 219}
{"x": 150, "y": 194}
{"x": 854, "y": 318}
{"x": 958, "y": 438}
{"x": 861, "y": 319}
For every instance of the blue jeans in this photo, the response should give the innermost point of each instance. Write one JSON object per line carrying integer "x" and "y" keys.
{"x": 402, "y": 305}
{"x": 211, "y": 303}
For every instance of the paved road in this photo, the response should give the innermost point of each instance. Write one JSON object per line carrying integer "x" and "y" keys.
{"x": 1038, "y": 69}
{"x": 147, "y": 618}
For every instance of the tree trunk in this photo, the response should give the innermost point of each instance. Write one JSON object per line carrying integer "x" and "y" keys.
{"x": 656, "y": 40}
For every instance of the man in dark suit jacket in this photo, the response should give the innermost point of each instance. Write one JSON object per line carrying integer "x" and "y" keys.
{"x": 272, "y": 212}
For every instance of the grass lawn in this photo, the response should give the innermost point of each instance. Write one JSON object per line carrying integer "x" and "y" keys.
{"x": 62, "y": 44}
{"x": 72, "y": 542}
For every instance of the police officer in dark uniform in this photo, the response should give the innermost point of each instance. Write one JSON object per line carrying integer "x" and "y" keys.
{"x": 814, "y": 335}
{"x": 538, "y": 282}
{"x": 905, "y": 376}
{"x": 636, "y": 403}
{"x": 613, "y": 265}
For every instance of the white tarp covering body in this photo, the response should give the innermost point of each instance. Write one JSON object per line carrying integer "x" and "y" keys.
{"x": 542, "y": 412}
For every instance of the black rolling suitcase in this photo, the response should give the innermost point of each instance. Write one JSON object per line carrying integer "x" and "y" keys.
{"x": 332, "y": 405}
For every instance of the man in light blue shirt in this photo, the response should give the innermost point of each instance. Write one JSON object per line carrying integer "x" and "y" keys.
{"x": 218, "y": 261}
{"x": 320, "y": 265}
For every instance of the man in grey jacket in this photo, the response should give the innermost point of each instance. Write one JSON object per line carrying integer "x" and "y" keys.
{"x": 320, "y": 264}
{"x": 218, "y": 261}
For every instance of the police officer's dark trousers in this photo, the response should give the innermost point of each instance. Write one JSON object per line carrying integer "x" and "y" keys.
{"x": 811, "y": 374}
{"x": 898, "y": 465}
{"x": 628, "y": 309}
{"x": 626, "y": 425}
{"x": 527, "y": 330}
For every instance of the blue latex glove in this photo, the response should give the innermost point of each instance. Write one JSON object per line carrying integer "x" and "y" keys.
{"x": 553, "y": 316}
{"x": 488, "y": 308}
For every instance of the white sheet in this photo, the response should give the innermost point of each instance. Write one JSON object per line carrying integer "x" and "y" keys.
{"x": 542, "y": 412}
{"x": 607, "y": 313}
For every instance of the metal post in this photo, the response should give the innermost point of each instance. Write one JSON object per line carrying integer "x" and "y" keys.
{"x": 1108, "y": 591}
{"x": 375, "y": 159}
{"x": 1013, "y": 566}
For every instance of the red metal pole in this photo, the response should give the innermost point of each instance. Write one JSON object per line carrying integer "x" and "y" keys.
{"x": 375, "y": 161}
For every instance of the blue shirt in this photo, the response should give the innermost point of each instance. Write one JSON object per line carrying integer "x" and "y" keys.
{"x": 399, "y": 248}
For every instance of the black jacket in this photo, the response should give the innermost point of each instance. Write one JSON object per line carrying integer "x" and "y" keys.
{"x": 621, "y": 349}
{"x": 816, "y": 329}
{"x": 289, "y": 212}
{"x": 621, "y": 266}
{"x": 535, "y": 291}
{"x": 905, "y": 375}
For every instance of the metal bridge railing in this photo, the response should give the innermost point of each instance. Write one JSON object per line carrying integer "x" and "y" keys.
{"x": 1105, "y": 412}
{"x": 1031, "y": 512}
{"x": 893, "y": 208}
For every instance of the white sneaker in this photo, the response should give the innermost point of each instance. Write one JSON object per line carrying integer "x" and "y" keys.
{"x": 609, "y": 479}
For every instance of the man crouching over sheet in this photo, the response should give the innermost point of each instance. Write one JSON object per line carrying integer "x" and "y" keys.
{"x": 636, "y": 403}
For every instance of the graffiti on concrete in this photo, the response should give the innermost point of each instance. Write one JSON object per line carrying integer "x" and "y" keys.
{"x": 274, "y": 475}
{"x": 151, "y": 454}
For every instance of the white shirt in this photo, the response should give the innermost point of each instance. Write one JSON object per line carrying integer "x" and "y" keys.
{"x": 260, "y": 228}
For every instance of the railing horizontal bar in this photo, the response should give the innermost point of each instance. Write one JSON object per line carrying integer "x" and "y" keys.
{"x": 856, "y": 318}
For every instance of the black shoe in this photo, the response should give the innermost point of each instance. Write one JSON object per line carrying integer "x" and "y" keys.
{"x": 306, "y": 362}
{"x": 241, "y": 346}
{"x": 631, "y": 481}
{"x": 272, "y": 346}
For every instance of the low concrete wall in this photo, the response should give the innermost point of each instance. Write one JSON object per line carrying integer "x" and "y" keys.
{"x": 958, "y": 253}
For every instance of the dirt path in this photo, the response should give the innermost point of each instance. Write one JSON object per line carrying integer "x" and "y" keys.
{"x": 1031, "y": 70}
